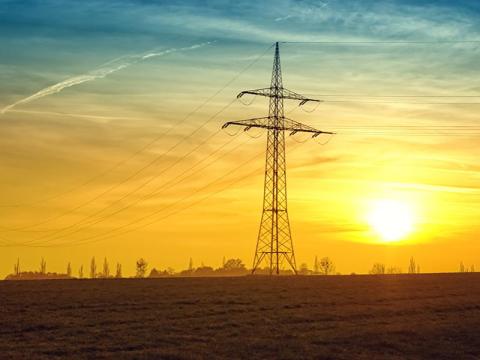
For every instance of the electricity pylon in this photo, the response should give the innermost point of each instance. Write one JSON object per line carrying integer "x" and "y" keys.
{"x": 274, "y": 243}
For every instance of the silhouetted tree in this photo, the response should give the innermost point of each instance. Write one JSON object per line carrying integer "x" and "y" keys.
{"x": 304, "y": 270}
{"x": 230, "y": 267}
{"x": 106, "y": 269}
{"x": 80, "y": 272}
{"x": 234, "y": 264}
{"x": 16, "y": 267}
{"x": 223, "y": 262}
{"x": 394, "y": 270}
{"x": 43, "y": 266}
{"x": 326, "y": 266}
{"x": 93, "y": 268}
{"x": 378, "y": 269}
{"x": 472, "y": 268}
{"x": 69, "y": 270}
{"x": 190, "y": 265}
{"x": 412, "y": 269}
{"x": 118, "y": 273}
{"x": 141, "y": 268}
{"x": 462, "y": 267}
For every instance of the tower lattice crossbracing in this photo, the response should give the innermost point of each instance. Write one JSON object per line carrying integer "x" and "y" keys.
{"x": 274, "y": 243}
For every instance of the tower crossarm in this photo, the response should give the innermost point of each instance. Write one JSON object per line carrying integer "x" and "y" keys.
{"x": 282, "y": 93}
{"x": 294, "y": 127}
{"x": 267, "y": 92}
{"x": 288, "y": 94}
{"x": 286, "y": 124}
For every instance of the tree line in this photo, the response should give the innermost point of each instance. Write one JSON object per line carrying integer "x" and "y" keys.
{"x": 230, "y": 267}
{"x": 413, "y": 268}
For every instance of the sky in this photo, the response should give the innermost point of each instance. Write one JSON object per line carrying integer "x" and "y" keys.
{"x": 111, "y": 115}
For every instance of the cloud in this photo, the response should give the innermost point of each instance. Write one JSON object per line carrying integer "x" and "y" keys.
{"x": 105, "y": 70}
{"x": 84, "y": 116}
{"x": 283, "y": 18}
{"x": 302, "y": 12}
{"x": 458, "y": 189}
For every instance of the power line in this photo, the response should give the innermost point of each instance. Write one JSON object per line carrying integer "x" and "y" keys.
{"x": 388, "y": 134}
{"x": 124, "y": 181}
{"x": 366, "y": 42}
{"x": 151, "y": 163}
{"x": 367, "y": 130}
{"x": 108, "y": 235}
{"x": 191, "y": 194}
{"x": 158, "y": 190}
{"x": 155, "y": 140}
{"x": 400, "y": 102}
{"x": 409, "y": 126}
{"x": 162, "y": 186}
{"x": 394, "y": 96}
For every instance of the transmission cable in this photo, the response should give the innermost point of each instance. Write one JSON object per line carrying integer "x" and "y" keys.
{"x": 161, "y": 209}
{"x": 155, "y": 140}
{"x": 366, "y": 42}
{"x": 107, "y": 235}
{"x": 131, "y": 176}
{"x": 158, "y": 190}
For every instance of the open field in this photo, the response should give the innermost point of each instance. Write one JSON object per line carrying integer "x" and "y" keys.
{"x": 337, "y": 317}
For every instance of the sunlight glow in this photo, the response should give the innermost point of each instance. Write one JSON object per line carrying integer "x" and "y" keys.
{"x": 391, "y": 219}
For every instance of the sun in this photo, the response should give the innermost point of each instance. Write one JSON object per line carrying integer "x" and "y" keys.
{"x": 391, "y": 219}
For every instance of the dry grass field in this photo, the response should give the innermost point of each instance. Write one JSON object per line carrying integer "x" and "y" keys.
{"x": 337, "y": 317}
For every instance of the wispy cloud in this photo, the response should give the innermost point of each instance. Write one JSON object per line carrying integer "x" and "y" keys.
{"x": 283, "y": 18}
{"x": 84, "y": 116}
{"x": 303, "y": 12}
{"x": 438, "y": 188}
{"x": 103, "y": 71}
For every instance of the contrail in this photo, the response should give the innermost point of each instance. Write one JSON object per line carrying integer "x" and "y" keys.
{"x": 85, "y": 116}
{"x": 107, "y": 69}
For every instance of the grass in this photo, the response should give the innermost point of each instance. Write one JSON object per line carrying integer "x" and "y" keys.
{"x": 338, "y": 317}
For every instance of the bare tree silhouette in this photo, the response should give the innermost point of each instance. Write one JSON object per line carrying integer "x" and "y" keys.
{"x": 412, "y": 268}
{"x": 43, "y": 266}
{"x": 378, "y": 269}
{"x": 93, "y": 269}
{"x": 141, "y": 268}
{"x": 16, "y": 267}
{"x": 80, "y": 272}
{"x": 118, "y": 273}
{"x": 326, "y": 266}
{"x": 106, "y": 269}
{"x": 69, "y": 270}
{"x": 394, "y": 270}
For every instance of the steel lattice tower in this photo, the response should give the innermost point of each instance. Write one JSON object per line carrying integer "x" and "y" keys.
{"x": 274, "y": 243}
